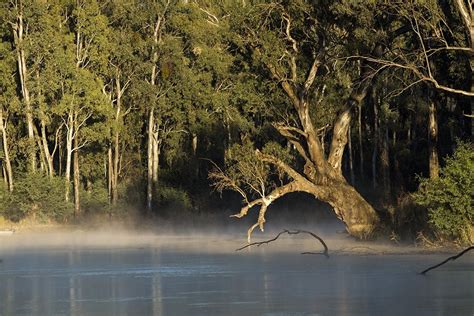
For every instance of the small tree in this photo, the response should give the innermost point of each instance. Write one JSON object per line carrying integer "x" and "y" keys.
{"x": 450, "y": 198}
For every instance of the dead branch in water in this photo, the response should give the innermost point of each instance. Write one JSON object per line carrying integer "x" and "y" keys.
{"x": 292, "y": 232}
{"x": 449, "y": 259}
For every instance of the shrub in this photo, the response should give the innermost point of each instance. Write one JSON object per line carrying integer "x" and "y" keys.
{"x": 95, "y": 200}
{"x": 37, "y": 196}
{"x": 172, "y": 198}
{"x": 450, "y": 198}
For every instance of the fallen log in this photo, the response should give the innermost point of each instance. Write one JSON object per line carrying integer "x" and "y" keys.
{"x": 448, "y": 259}
{"x": 292, "y": 232}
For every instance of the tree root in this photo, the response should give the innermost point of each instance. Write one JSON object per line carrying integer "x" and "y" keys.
{"x": 448, "y": 259}
{"x": 292, "y": 232}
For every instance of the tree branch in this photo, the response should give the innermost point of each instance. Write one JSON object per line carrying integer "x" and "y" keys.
{"x": 285, "y": 131}
{"x": 280, "y": 164}
{"x": 311, "y": 75}
{"x": 463, "y": 11}
{"x": 448, "y": 259}
{"x": 264, "y": 202}
{"x": 325, "y": 252}
{"x": 339, "y": 140}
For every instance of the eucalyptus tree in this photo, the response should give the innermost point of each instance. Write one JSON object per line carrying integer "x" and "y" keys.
{"x": 123, "y": 69}
{"x": 293, "y": 46}
{"x": 19, "y": 14}
{"x": 82, "y": 102}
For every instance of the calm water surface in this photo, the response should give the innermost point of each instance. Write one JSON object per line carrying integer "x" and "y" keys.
{"x": 196, "y": 276}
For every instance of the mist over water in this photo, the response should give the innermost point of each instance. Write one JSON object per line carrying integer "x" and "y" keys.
{"x": 121, "y": 272}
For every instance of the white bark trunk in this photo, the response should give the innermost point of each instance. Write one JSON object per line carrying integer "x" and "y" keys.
{"x": 110, "y": 172}
{"x": 23, "y": 73}
{"x": 77, "y": 201}
{"x": 151, "y": 119}
{"x": 116, "y": 153}
{"x": 156, "y": 159}
{"x": 47, "y": 153}
{"x": 69, "y": 139}
{"x": 7, "y": 164}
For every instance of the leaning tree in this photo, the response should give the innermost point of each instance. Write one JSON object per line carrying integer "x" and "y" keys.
{"x": 295, "y": 47}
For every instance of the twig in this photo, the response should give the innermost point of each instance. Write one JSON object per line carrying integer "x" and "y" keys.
{"x": 445, "y": 261}
{"x": 292, "y": 232}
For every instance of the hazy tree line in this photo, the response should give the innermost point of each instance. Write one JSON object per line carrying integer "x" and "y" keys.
{"x": 126, "y": 102}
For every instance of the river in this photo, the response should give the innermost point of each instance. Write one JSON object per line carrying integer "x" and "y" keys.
{"x": 204, "y": 275}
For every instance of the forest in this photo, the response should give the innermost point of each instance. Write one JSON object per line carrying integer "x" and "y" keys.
{"x": 114, "y": 107}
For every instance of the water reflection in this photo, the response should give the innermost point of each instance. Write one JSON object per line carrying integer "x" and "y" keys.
{"x": 170, "y": 281}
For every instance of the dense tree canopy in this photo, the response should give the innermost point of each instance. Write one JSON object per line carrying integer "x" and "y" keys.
{"x": 113, "y": 104}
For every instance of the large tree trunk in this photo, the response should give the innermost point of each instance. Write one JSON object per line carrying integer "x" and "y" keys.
{"x": 323, "y": 177}
{"x": 351, "y": 208}
{"x": 6, "y": 153}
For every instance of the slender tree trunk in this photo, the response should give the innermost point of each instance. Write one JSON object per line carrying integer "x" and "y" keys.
{"x": 361, "y": 149}
{"x": 409, "y": 136}
{"x": 116, "y": 155}
{"x": 151, "y": 120}
{"x": 385, "y": 163}
{"x": 150, "y": 161}
{"x": 77, "y": 201}
{"x": 151, "y": 114}
{"x": 433, "y": 141}
{"x": 110, "y": 173}
{"x": 23, "y": 75}
{"x": 69, "y": 140}
{"x": 4, "y": 177}
{"x": 60, "y": 153}
{"x": 42, "y": 161}
{"x": 466, "y": 13}
{"x": 194, "y": 143}
{"x": 7, "y": 165}
{"x": 156, "y": 159}
{"x": 47, "y": 153}
{"x": 375, "y": 145}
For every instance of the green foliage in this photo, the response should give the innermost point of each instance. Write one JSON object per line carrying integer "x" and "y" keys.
{"x": 211, "y": 71}
{"x": 36, "y": 196}
{"x": 95, "y": 200}
{"x": 173, "y": 199}
{"x": 450, "y": 198}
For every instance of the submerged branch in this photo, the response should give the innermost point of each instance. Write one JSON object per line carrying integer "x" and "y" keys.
{"x": 448, "y": 259}
{"x": 292, "y": 232}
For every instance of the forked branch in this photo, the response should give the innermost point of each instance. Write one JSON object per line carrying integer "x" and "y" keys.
{"x": 448, "y": 259}
{"x": 325, "y": 252}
